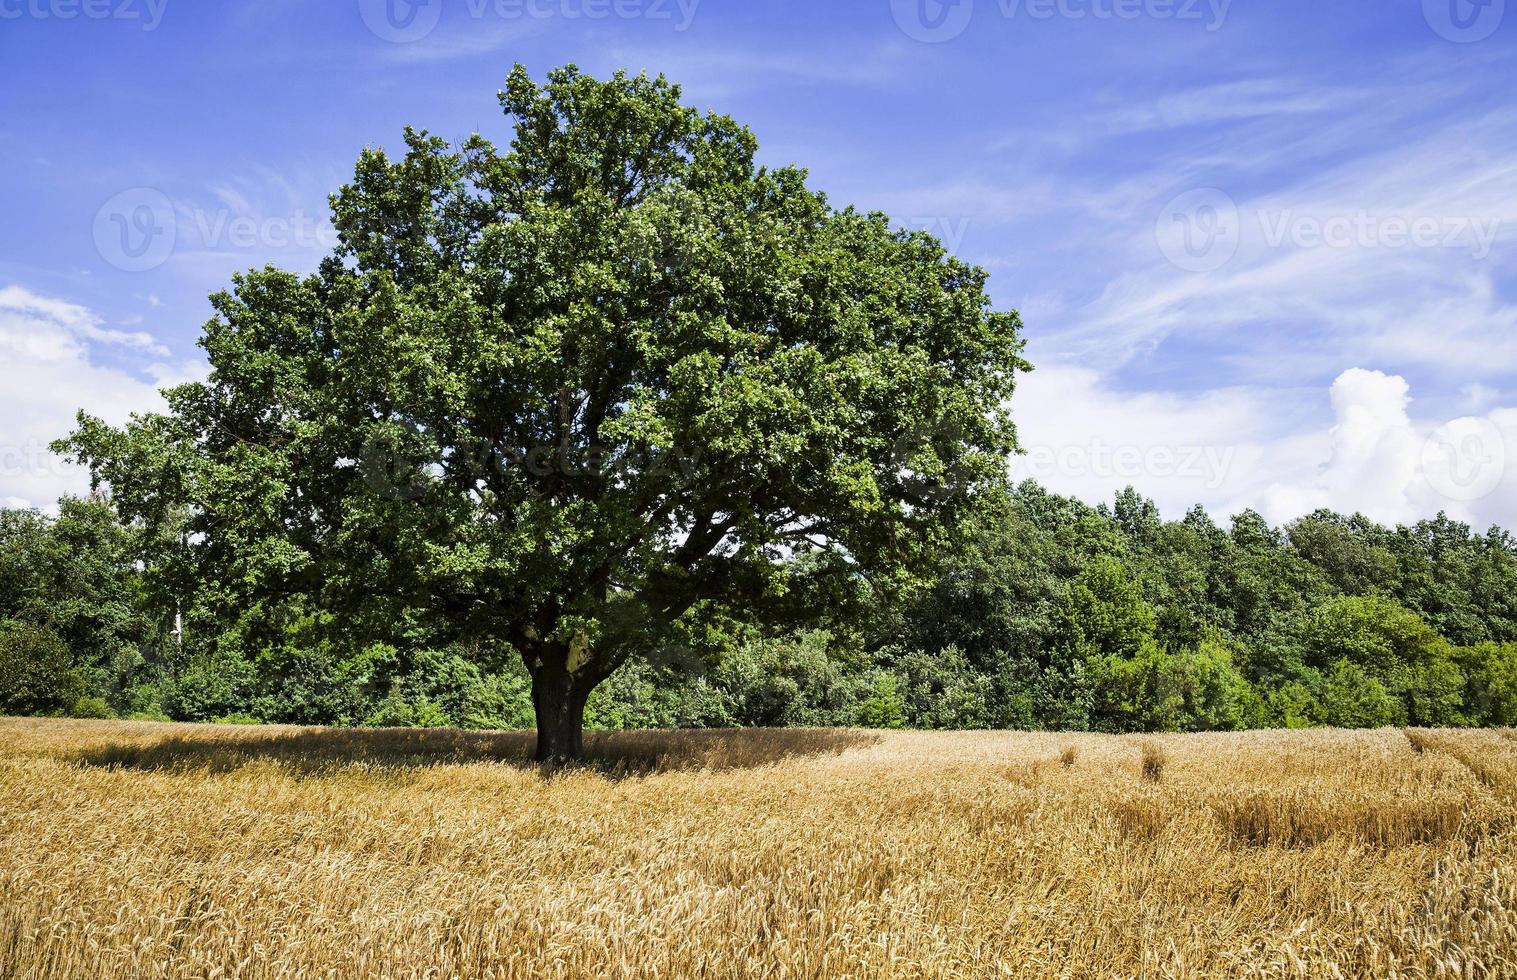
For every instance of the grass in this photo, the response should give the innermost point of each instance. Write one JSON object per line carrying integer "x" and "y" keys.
{"x": 148, "y": 850}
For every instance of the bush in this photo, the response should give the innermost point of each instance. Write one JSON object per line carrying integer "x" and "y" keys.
{"x": 1373, "y": 632}
{"x": 1157, "y": 691}
{"x": 1292, "y": 705}
{"x": 89, "y": 707}
{"x": 944, "y": 691}
{"x": 212, "y": 685}
{"x": 501, "y": 702}
{"x": 1349, "y": 697}
{"x": 884, "y": 706}
{"x": 1433, "y": 693}
{"x": 399, "y": 711}
{"x": 1490, "y": 671}
{"x": 37, "y": 673}
{"x": 790, "y": 681}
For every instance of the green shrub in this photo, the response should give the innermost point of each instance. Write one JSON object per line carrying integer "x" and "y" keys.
{"x": 399, "y": 711}
{"x": 212, "y": 685}
{"x": 1373, "y": 632}
{"x": 944, "y": 691}
{"x": 37, "y": 673}
{"x": 91, "y": 707}
{"x": 502, "y": 702}
{"x": 1490, "y": 671}
{"x": 1158, "y": 691}
{"x": 1349, "y": 697}
{"x": 884, "y": 706}
{"x": 1292, "y": 705}
{"x": 1433, "y": 693}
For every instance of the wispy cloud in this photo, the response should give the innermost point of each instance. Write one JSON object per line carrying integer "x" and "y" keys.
{"x": 64, "y": 325}
{"x": 49, "y": 347}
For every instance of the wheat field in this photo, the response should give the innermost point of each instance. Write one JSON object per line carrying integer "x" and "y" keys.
{"x": 142, "y": 850}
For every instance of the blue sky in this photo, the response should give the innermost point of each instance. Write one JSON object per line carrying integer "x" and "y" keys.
{"x": 1264, "y": 251}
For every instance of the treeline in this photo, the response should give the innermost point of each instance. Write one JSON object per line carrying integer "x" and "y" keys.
{"x": 1058, "y": 615}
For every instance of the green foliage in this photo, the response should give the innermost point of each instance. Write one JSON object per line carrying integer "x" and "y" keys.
{"x": 943, "y": 691}
{"x": 1158, "y": 691}
{"x": 37, "y": 674}
{"x": 75, "y": 575}
{"x": 1373, "y": 632}
{"x": 1490, "y": 670}
{"x": 502, "y": 701}
{"x": 90, "y": 707}
{"x": 212, "y": 685}
{"x": 1292, "y": 705}
{"x": 1349, "y": 696}
{"x": 884, "y": 704}
{"x": 565, "y": 396}
{"x": 1104, "y": 614}
{"x": 399, "y": 711}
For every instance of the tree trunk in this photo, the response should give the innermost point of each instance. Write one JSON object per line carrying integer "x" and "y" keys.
{"x": 559, "y": 699}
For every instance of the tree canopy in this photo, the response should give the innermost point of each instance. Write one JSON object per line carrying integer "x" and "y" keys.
{"x": 561, "y": 399}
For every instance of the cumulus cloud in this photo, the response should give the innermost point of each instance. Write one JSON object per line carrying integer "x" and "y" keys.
{"x": 1355, "y": 447}
{"x": 50, "y": 350}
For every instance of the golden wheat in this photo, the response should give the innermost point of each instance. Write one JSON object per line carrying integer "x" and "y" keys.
{"x": 170, "y": 851}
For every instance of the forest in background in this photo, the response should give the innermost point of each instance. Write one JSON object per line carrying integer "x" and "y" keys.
{"x": 1058, "y": 615}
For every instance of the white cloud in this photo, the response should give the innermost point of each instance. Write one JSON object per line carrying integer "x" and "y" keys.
{"x": 1394, "y": 256}
{"x": 70, "y": 324}
{"x": 1285, "y": 452}
{"x": 48, "y": 349}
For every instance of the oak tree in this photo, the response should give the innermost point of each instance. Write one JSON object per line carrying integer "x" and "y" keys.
{"x": 558, "y": 398}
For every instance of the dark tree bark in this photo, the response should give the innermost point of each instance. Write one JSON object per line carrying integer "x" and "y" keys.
{"x": 559, "y": 697}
